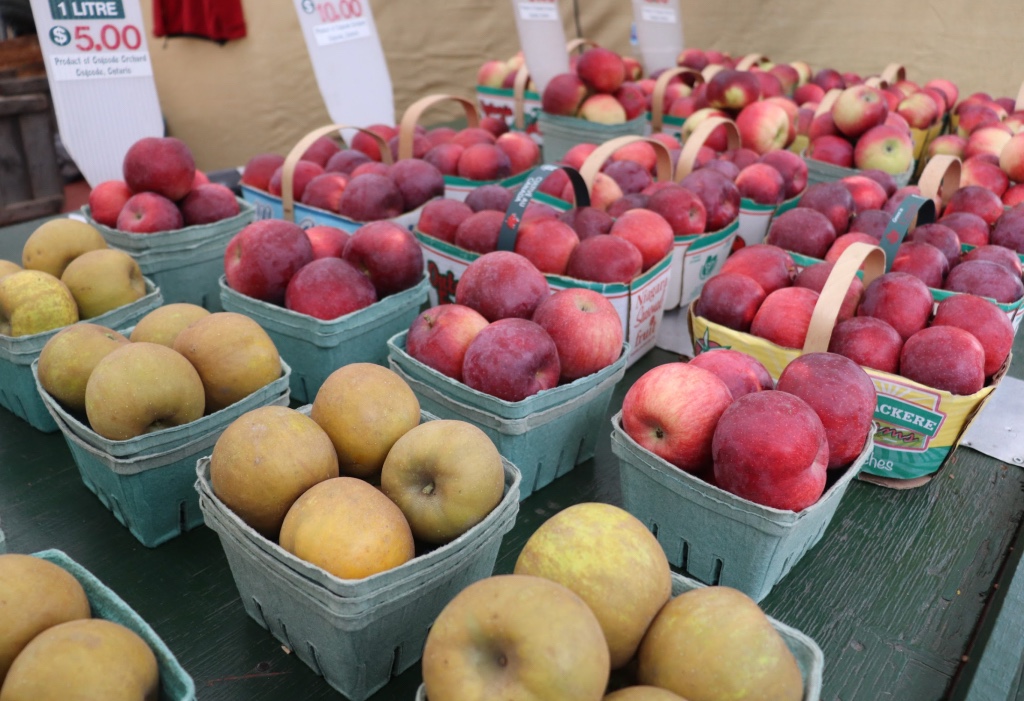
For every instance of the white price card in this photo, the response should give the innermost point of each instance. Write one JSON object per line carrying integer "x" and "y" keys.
{"x": 542, "y": 38}
{"x": 101, "y": 80}
{"x": 348, "y": 61}
{"x": 659, "y": 29}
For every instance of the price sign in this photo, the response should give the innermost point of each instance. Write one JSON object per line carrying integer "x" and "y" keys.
{"x": 659, "y": 29}
{"x": 542, "y": 38}
{"x": 101, "y": 80}
{"x": 348, "y": 60}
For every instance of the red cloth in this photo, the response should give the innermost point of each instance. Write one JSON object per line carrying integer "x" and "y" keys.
{"x": 217, "y": 20}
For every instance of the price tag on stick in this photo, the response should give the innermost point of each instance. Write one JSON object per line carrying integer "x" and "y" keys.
{"x": 101, "y": 80}
{"x": 348, "y": 60}
{"x": 542, "y": 38}
{"x": 659, "y": 31}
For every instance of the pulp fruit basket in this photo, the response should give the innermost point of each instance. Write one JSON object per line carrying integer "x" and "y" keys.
{"x": 808, "y": 655}
{"x": 18, "y": 392}
{"x": 712, "y": 535}
{"x": 545, "y": 435}
{"x": 184, "y": 263}
{"x": 175, "y": 683}
{"x": 148, "y": 481}
{"x": 354, "y": 633}
{"x": 315, "y": 348}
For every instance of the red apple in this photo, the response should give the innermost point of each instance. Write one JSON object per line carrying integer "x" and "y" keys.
{"x": 763, "y": 126}
{"x": 511, "y": 359}
{"x": 494, "y": 197}
{"x": 802, "y": 230}
{"x": 648, "y": 231}
{"x": 886, "y": 148}
{"x": 163, "y": 165}
{"x": 731, "y": 300}
{"x": 563, "y": 95}
{"x": 868, "y": 341}
{"x": 418, "y": 181}
{"x": 601, "y": 70}
{"x": 732, "y": 89}
{"x": 784, "y": 316}
{"x": 262, "y": 257}
{"x": 586, "y": 329}
{"x": 522, "y": 151}
{"x": 370, "y": 197}
{"x": 502, "y": 284}
{"x": 899, "y": 299}
{"x": 605, "y": 258}
{"x": 547, "y": 243}
{"x": 834, "y": 200}
{"x": 445, "y": 157}
{"x": 919, "y": 109}
{"x": 345, "y": 161}
{"x": 106, "y": 201}
{"x": 866, "y": 193}
{"x": 976, "y": 200}
{"x": 947, "y": 144}
{"x": 872, "y": 222}
{"x": 327, "y": 241}
{"x": 761, "y": 183}
{"x": 328, "y": 288}
{"x": 1001, "y": 255}
{"x": 770, "y": 266}
{"x": 922, "y": 260}
{"x": 720, "y": 196}
{"x": 985, "y": 279}
{"x": 388, "y": 254}
{"x": 479, "y": 232}
{"x": 829, "y": 148}
{"x": 148, "y": 213}
{"x": 260, "y": 168}
{"x": 207, "y": 204}
{"x": 989, "y": 140}
{"x": 439, "y": 337}
{"x": 813, "y": 277}
{"x": 792, "y": 168}
{"x": 982, "y": 319}
{"x": 304, "y": 172}
{"x": 320, "y": 151}
{"x": 742, "y": 373}
{"x": 587, "y": 221}
{"x": 603, "y": 109}
{"x": 369, "y": 145}
{"x": 324, "y": 191}
{"x": 858, "y": 109}
{"x": 946, "y": 358}
{"x": 630, "y": 176}
{"x": 681, "y": 208}
{"x": 978, "y": 171}
{"x": 1011, "y": 158}
{"x": 440, "y": 218}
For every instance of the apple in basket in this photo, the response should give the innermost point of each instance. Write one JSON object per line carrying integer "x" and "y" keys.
{"x": 32, "y": 302}
{"x": 68, "y": 359}
{"x": 55, "y": 243}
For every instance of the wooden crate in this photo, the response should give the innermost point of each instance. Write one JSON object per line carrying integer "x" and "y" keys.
{"x": 30, "y": 181}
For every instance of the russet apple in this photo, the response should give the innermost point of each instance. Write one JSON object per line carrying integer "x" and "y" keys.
{"x": 68, "y": 359}
{"x": 9, "y": 266}
{"x": 57, "y": 242}
{"x": 511, "y": 359}
{"x": 163, "y": 165}
{"x": 32, "y": 302}
{"x": 103, "y": 280}
{"x": 163, "y": 324}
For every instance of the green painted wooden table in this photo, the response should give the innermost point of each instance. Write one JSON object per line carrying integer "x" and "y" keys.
{"x": 911, "y": 595}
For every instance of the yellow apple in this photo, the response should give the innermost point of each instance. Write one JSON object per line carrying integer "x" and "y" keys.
{"x": 68, "y": 359}
{"x": 349, "y": 528}
{"x": 515, "y": 638}
{"x": 607, "y": 556}
{"x": 364, "y": 408}
{"x": 102, "y": 280}
{"x": 265, "y": 460}
{"x": 233, "y": 354}
{"x": 730, "y": 647}
{"x": 34, "y": 595}
{"x": 96, "y": 658}
{"x": 8, "y": 266}
{"x": 163, "y": 324}
{"x": 57, "y": 242}
{"x": 643, "y": 693}
{"x": 445, "y": 476}
{"x": 140, "y": 388}
{"x": 32, "y": 302}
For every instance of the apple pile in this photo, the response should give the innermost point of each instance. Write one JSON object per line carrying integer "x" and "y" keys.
{"x": 69, "y": 274}
{"x": 502, "y": 74}
{"x": 601, "y": 88}
{"x": 322, "y": 272}
{"x": 881, "y": 326}
{"x": 594, "y": 584}
{"x": 45, "y": 619}
{"x": 720, "y": 419}
{"x": 180, "y": 363}
{"x": 509, "y": 337}
{"x": 357, "y": 483}
{"x": 161, "y": 191}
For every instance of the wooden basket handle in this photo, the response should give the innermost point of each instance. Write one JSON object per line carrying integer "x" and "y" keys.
{"x": 1019, "y": 105}
{"x": 940, "y": 178}
{"x": 574, "y": 44}
{"x": 658, "y": 95}
{"x": 826, "y": 309}
{"x": 709, "y": 71}
{"x": 827, "y": 101}
{"x": 894, "y": 73}
{"x": 293, "y": 157}
{"x": 688, "y": 156}
{"x": 519, "y": 97}
{"x": 592, "y": 165}
{"x": 750, "y": 60}
{"x": 412, "y": 114}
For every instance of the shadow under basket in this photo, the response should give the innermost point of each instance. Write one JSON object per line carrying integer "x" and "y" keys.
{"x": 808, "y": 654}
{"x": 152, "y": 494}
{"x": 357, "y": 634}
{"x": 545, "y": 435}
{"x": 717, "y": 537}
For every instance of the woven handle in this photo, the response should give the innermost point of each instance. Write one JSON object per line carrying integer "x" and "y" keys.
{"x": 411, "y": 117}
{"x": 519, "y": 97}
{"x": 830, "y": 300}
{"x": 940, "y": 178}
{"x": 750, "y": 60}
{"x": 691, "y": 149}
{"x": 658, "y": 95}
{"x": 592, "y": 165}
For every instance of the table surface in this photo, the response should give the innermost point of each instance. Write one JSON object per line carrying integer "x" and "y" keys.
{"x": 910, "y": 594}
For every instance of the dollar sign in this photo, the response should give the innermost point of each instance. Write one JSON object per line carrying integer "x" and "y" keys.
{"x": 60, "y": 36}
{"x": 308, "y": 6}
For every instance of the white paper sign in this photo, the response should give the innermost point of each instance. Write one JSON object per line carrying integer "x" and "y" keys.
{"x": 542, "y": 39}
{"x": 101, "y": 80}
{"x": 659, "y": 29}
{"x": 348, "y": 61}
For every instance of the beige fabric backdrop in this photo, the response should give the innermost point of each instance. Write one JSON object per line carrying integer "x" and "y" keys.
{"x": 259, "y": 94}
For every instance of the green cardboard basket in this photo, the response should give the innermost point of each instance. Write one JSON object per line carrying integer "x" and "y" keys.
{"x": 717, "y": 537}
{"x": 175, "y": 683}
{"x": 18, "y": 392}
{"x": 315, "y": 348}
{"x": 808, "y": 655}
{"x": 545, "y": 435}
{"x": 152, "y": 494}
{"x": 562, "y": 133}
{"x": 357, "y": 634}
{"x": 184, "y": 263}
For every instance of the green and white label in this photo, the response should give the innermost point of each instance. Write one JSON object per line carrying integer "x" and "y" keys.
{"x": 87, "y": 9}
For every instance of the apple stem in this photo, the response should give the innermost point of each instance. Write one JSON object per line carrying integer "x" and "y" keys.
{"x": 429, "y": 489}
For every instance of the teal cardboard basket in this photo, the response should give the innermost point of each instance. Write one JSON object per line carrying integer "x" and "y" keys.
{"x": 18, "y": 392}
{"x": 152, "y": 493}
{"x": 717, "y": 537}
{"x": 175, "y": 683}
{"x": 185, "y": 263}
{"x": 315, "y": 348}
{"x": 357, "y": 634}
{"x": 808, "y": 655}
{"x": 3, "y": 543}
{"x": 545, "y": 435}
{"x": 562, "y": 133}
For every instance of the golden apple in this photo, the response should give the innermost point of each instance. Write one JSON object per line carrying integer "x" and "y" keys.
{"x": 233, "y": 354}
{"x": 57, "y": 242}
{"x": 163, "y": 324}
{"x": 515, "y": 638}
{"x": 34, "y": 595}
{"x": 265, "y": 460}
{"x": 68, "y": 359}
{"x": 730, "y": 647}
{"x": 643, "y": 693}
{"x": 7, "y": 267}
{"x": 445, "y": 476}
{"x": 96, "y": 658}
{"x": 102, "y": 280}
{"x": 32, "y": 302}
{"x": 365, "y": 408}
{"x": 140, "y": 388}
{"x": 349, "y": 528}
{"x": 607, "y": 557}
